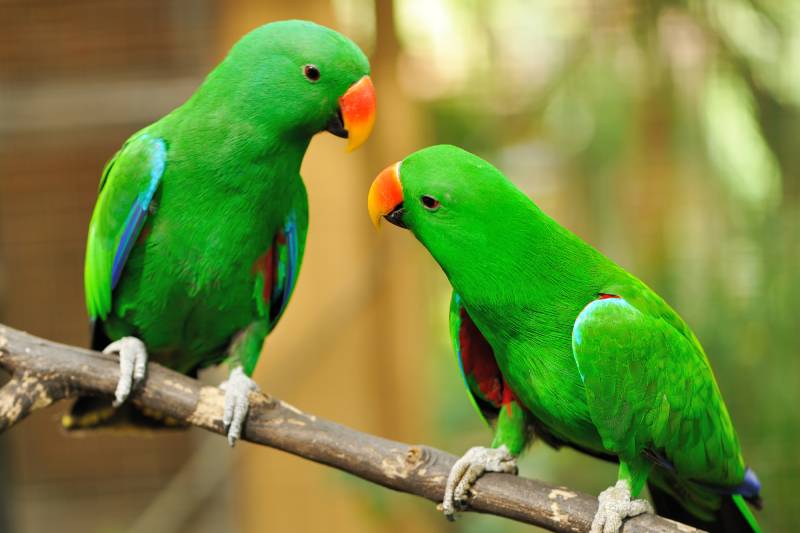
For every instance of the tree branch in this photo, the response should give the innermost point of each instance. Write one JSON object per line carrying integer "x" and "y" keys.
{"x": 44, "y": 372}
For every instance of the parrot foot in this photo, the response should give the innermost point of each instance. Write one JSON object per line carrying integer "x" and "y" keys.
{"x": 615, "y": 506}
{"x": 237, "y": 388}
{"x": 132, "y": 366}
{"x": 476, "y": 462}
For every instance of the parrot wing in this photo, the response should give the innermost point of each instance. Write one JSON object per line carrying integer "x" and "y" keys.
{"x": 282, "y": 264}
{"x": 276, "y": 276}
{"x": 651, "y": 391}
{"x": 129, "y": 182}
{"x": 476, "y": 362}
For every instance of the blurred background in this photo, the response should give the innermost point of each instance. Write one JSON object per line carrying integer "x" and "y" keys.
{"x": 663, "y": 132}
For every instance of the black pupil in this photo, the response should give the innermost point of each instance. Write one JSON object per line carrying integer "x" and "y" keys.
{"x": 312, "y": 72}
{"x": 430, "y": 202}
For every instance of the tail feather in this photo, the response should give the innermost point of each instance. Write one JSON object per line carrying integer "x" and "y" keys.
{"x": 734, "y": 511}
{"x": 733, "y": 516}
{"x": 97, "y": 412}
{"x": 99, "y": 338}
{"x": 668, "y": 506}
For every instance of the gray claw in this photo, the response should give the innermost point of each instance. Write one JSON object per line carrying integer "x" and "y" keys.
{"x": 476, "y": 462}
{"x": 615, "y": 505}
{"x": 132, "y": 366}
{"x": 237, "y": 388}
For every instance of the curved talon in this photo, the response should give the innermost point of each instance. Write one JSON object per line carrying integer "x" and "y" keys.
{"x": 237, "y": 404}
{"x": 132, "y": 366}
{"x": 468, "y": 469}
{"x": 615, "y": 505}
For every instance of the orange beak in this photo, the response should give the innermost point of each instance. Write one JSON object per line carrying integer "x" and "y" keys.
{"x": 358, "y": 112}
{"x": 385, "y": 194}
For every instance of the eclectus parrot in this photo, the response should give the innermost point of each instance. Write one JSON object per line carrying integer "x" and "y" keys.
{"x": 198, "y": 232}
{"x": 553, "y": 339}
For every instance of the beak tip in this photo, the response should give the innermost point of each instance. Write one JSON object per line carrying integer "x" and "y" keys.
{"x": 385, "y": 194}
{"x": 375, "y": 214}
{"x": 358, "y": 110}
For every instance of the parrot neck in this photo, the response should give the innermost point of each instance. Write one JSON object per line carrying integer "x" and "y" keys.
{"x": 247, "y": 135}
{"x": 527, "y": 265}
{"x": 240, "y": 154}
{"x": 258, "y": 123}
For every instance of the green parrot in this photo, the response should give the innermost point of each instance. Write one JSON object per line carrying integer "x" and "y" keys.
{"x": 199, "y": 229}
{"x": 555, "y": 340}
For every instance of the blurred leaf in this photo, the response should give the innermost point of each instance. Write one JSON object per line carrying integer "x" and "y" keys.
{"x": 736, "y": 146}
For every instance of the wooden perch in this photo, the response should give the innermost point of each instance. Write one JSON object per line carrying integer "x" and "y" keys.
{"x": 45, "y": 372}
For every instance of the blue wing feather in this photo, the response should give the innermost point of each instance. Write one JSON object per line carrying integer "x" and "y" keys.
{"x": 133, "y": 226}
{"x": 290, "y": 229}
{"x": 456, "y": 319}
{"x": 139, "y": 210}
{"x": 288, "y": 263}
{"x": 127, "y": 188}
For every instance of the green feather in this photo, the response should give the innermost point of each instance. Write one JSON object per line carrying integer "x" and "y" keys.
{"x": 230, "y": 182}
{"x": 622, "y": 376}
{"x": 746, "y": 512}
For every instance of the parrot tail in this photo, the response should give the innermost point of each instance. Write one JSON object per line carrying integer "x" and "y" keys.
{"x": 96, "y": 412}
{"x": 733, "y": 516}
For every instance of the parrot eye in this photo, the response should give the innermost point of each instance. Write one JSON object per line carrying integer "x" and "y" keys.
{"x": 430, "y": 203}
{"x": 311, "y": 72}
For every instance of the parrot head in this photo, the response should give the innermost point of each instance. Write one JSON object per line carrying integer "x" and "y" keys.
{"x": 295, "y": 78}
{"x": 456, "y": 204}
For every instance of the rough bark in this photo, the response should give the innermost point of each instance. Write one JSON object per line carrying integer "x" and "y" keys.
{"x": 44, "y": 372}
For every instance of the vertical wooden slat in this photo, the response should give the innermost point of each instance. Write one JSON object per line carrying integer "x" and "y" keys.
{"x": 52, "y": 54}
